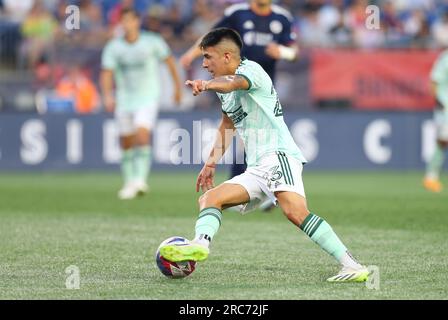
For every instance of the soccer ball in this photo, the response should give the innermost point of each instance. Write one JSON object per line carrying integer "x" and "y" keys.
{"x": 174, "y": 269}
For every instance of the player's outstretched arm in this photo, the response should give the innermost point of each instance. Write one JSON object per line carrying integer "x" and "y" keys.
{"x": 223, "y": 139}
{"x": 224, "y": 84}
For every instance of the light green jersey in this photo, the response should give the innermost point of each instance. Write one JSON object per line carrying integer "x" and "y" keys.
{"x": 439, "y": 74}
{"x": 136, "y": 69}
{"x": 257, "y": 115}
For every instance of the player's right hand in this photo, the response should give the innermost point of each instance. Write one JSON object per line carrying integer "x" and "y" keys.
{"x": 205, "y": 178}
{"x": 109, "y": 103}
{"x": 197, "y": 86}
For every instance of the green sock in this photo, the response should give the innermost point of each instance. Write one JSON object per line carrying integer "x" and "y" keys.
{"x": 127, "y": 165}
{"x": 208, "y": 223}
{"x": 142, "y": 162}
{"x": 321, "y": 233}
{"x": 435, "y": 163}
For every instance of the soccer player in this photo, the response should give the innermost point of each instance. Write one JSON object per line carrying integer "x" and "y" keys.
{"x": 132, "y": 61}
{"x": 250, "y": 105}
{"x": 266, "y": 30}
{"x": 439, "y": 77}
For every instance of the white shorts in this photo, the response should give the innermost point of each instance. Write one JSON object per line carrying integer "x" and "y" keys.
{"x": 128, "y": 122}
{"x": 441, "y": 121}
{"x": 276, "y": 172}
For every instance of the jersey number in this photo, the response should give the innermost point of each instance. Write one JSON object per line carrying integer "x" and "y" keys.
{"x": 278, "y": 109}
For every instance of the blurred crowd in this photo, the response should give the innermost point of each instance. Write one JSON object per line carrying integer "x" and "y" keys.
{"x": 33, "y": 32}
{"x": 319, "y": 23}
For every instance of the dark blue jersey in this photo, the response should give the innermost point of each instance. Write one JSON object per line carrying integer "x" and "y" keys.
{"x": 258, "y": 31}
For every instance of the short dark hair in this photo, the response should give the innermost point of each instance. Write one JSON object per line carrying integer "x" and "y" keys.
{"x": 217, "y": 35}
{"x": 129, "y": 10}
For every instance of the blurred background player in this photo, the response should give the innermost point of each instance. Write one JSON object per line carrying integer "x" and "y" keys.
{"x": 266, "y": 31}
{"x": 132, "y": 61}
{"x": 439, "y": 78}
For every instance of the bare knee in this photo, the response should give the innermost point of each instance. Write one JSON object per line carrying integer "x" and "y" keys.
{"x": 209, "y": 199}
{"x": 143, "y": 137}
{"x": 127, "y": 142}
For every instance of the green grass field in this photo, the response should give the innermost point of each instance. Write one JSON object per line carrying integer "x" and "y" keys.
{"x": 49, "y": 222}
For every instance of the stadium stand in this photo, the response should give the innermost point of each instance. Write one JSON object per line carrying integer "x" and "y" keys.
{"x": 37, "y": 48}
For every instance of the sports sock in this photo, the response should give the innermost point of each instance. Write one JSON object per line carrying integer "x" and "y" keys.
{"x": 323, "y": 235}
{"x": 127, "y": 165}
{"x": 207, "y": 225}
{"x": 142, "y": 162}
{"x": 203, "y": 240}
{"x": 435, "y": 163}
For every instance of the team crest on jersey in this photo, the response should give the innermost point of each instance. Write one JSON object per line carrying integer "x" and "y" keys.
{"x": 237, "y": 115}
{"x": 248, "y": 25}
{"x": 276, "y": 27}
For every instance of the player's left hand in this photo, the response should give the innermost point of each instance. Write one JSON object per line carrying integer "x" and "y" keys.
{"x": 273, "y": 50}
{"x": 197, "y": 86}
{"x": 205, "y": 178}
